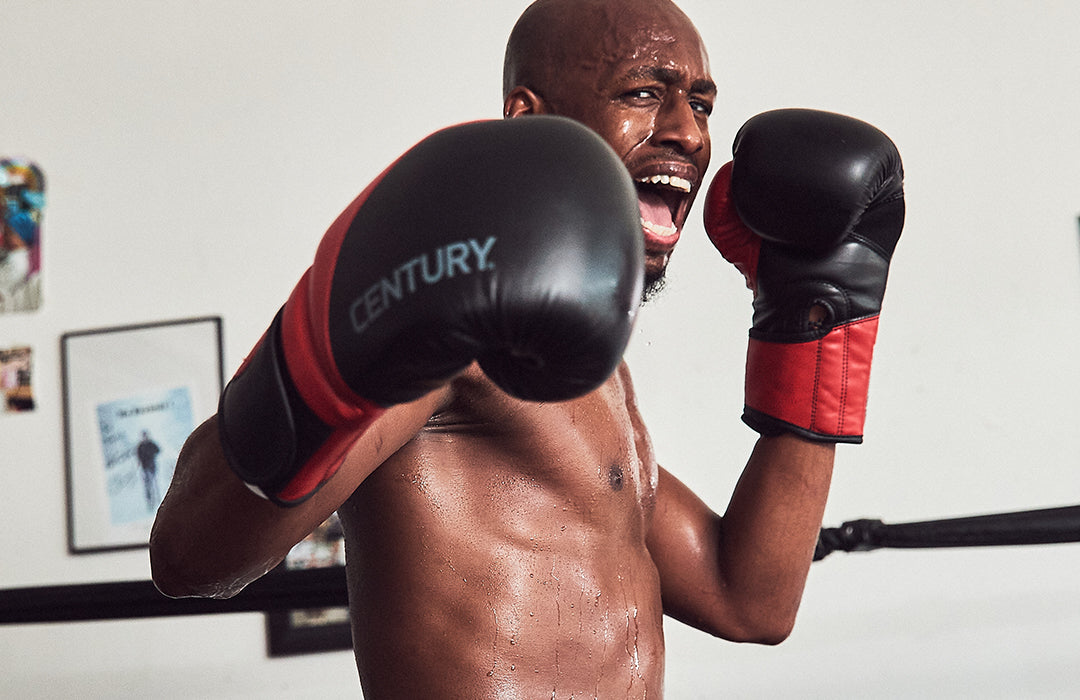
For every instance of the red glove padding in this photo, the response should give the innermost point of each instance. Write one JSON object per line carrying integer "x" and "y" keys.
{"x": 809, "y": 210}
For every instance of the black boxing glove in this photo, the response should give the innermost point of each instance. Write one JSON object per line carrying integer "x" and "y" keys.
{"x": 513, "y": 243}
{"x": 809, "y": 210}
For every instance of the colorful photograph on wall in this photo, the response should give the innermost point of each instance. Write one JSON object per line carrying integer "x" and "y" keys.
{"x": 22, "y": 191}
{"x": 15, "y": 384}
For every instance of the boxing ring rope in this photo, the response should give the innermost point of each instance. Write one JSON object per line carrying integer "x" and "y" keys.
{"x": 325, "y": 588}
{"x": 1045, "y": 526}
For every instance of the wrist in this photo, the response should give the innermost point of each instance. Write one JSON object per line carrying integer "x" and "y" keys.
{"x": 817, "y": 389}
{"x": 272, "y": 437}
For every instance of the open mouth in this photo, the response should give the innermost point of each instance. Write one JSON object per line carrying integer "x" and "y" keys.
{"x": 663, "y": 200}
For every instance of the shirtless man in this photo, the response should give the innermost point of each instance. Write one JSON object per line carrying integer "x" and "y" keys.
{"x": 499, "y": 547}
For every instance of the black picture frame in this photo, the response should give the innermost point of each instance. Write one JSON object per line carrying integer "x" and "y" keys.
{"x": 131, "y": 395}
{"x": 307, "y": 631}
{"x": 312, "y": 630}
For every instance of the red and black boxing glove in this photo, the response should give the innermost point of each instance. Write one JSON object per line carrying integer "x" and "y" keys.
{"x": 809, "y": 210}
{"x": 515, "y": 244}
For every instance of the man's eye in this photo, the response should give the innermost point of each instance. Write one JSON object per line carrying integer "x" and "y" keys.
{"x": 641, "y": 94}
{"x": 701, "y": 106}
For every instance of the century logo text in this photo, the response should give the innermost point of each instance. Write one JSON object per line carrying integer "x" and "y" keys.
{"x": 445, "y": 262}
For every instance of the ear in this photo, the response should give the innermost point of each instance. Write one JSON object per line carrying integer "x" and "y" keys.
{"x": 521, "y": 101}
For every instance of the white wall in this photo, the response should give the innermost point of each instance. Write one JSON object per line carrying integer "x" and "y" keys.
{"x": 196, "y": 151}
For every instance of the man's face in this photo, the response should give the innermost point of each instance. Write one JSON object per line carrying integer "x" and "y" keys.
{"x": 643, "y": 84}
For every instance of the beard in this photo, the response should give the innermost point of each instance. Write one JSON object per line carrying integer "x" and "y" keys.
{"x": 654, "y": 284}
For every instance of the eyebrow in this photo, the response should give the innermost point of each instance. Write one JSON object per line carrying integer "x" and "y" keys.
{"x": 670, "y": 76}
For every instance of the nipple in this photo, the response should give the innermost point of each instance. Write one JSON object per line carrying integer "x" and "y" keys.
{"x": 615, "y": 477}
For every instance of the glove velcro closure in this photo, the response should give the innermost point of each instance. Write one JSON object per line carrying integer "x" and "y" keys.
{"x": 270, "y": 437}
{"x": 817, "y": 390}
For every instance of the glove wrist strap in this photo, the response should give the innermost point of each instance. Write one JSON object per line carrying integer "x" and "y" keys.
{"x": 816, "y": 389}
{"x": 270, "y": 437}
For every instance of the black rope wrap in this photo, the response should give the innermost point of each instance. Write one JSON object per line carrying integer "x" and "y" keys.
{"x": 1045, "y": 526}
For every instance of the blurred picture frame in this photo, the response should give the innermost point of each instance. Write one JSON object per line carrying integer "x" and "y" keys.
{"x": 22, "y": 199}
{"x": 306, "y": 631}
{"x": 16, "y": 386}
{"x": 132, "y": 394}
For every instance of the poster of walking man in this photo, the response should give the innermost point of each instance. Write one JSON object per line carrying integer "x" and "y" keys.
{"x": 141, "y": 437}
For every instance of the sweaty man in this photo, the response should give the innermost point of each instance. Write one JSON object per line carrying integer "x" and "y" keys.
{"x": 499, "y": 547}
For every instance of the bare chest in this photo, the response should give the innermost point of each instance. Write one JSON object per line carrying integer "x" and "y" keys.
{"x": 590, "y": 455}
{"x": 504, "y": 479}
{"x": 518, "y": 531}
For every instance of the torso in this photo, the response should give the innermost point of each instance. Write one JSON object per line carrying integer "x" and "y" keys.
{"x": 501, "y": 553}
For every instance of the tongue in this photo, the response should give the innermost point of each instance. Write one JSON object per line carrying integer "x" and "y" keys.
{"x": 654, "y": 211}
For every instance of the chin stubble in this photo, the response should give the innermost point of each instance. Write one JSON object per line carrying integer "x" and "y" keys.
{"x": 654, "y": 284}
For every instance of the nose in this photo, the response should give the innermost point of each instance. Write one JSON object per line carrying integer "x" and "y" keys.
{"x": 677, "y": 125}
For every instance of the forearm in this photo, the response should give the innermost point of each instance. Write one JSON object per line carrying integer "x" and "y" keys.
{"x": 212, "y": 535}
{"x": 770, "y": 528}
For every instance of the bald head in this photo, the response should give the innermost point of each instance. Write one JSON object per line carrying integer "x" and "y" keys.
{"x": 636, "y": 73}
{"x": 555, "y": 36}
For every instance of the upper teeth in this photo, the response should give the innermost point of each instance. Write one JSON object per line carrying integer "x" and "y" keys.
{"x": 670, "y": 180}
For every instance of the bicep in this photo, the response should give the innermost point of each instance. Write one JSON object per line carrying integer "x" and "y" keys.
{"x": 741, "y": 576}
{"x": 684, "y": 540}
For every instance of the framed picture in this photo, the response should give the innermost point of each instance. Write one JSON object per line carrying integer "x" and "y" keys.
{"x": 16, "y": 388}
{"x": 306, "y": 631}
{"x": 132, "y": 395}
{"x": 22, "y": 198}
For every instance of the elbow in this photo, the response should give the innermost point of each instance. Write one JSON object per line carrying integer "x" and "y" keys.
{"x": 769, "y": 625}
{"x": 768, "y": 634}
{"x": 767, "y": 628}
{"x": 177, "y": 575}
{"x": 165, "y": 577}
{"x": 168, "y": 585}
{"x": 166, "y": 569}
{"x": 175, "y": 581}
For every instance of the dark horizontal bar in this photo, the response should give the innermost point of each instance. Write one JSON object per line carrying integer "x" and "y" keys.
{"x": 278, "y": 590}
{"x": 1042, "y": 526}
{"x": 1046, "y": 526}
